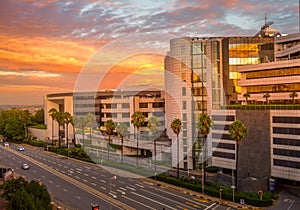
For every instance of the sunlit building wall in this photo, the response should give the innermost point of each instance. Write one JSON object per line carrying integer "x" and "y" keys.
{"x": 239, "y": 51}
{"x": 193, "y": 85}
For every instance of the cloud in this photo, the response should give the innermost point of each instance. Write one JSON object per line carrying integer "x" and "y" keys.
{"x": 48, "y": 42}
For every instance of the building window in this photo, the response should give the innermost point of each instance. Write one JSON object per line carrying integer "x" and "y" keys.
{"x": 184, "y": 132}
{"x": 224, "y": 155}
{"x": 184, "y": 117}
{"x": 184, "y": 125}
{"x": 184, "y": 141}
{"x": 125, "y": 115}
{"x": 183, "y": 91}
{"x": 125, "y": 105}
{"x": 184, "y": 105}
{"x": 185, "y": 149}
{"x": 158, "y": 105}
{"x": 143, "y": 105}
{"x": 114, "y": 106}
{"x": 183, "y": 77}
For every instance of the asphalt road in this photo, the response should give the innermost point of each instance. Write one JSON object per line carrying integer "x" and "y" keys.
{"x": 70, "y": 181}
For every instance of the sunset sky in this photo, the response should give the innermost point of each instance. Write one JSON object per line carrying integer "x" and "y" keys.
{"x": 47, "y": 45}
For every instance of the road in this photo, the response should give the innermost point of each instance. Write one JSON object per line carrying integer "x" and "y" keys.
{"x": 70, "y": 183}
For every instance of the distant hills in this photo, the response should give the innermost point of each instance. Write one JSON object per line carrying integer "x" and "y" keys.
{"x": 29, "y": 107}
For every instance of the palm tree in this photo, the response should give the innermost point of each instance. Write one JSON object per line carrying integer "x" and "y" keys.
{"x": 80, "y": 121}
{"x": 293, "y": 95}
{"x": 205, "y": 124}
{"x": 60, "y": 120}
{"x": 91, "y": 120}
{"x": 52, "y": 112}
{"x": 138, "y": 120}
{"x": 67, "y": 117}
{"x": 237, "y": 131}
{"x": 122, "y": 130}
{"x": 176, "y": 127}
{"x": 109, "y": 128}
{"x": 247, "y": 95}
{"x": 267, "y": 96}
{"x": 153, "y": 123}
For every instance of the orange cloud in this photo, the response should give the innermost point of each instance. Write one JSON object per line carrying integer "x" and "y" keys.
{"x": 42, "y": 53}
{"x": 148, "y": 68}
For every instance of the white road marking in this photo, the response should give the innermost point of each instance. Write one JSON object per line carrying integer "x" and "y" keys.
{"x": 142, "y": 204}
{"x": 131, "y": 188}
{"x": 152, "y": 200}
{"x": 140, "y": 185}
{"x": 210, "y": 206}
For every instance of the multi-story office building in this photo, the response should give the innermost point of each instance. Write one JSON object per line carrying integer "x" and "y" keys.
{"x": 272, "y": 139}
{"x": 199, "y": 73}
{"x": 277, "y": 79}
{"x": 104, "y": 105}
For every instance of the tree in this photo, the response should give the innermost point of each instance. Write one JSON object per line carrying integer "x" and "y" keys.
{"x": 247, "y": 95}
{"x": 91, "y": 120}
{"x": 80, "y": 121}
{"x": 27, "y": 196}
{"x": 52, "y": 112}
{"x": 109, "y": 128}
{"x": 13, "y": 129}
{"x": 267, "y": 96}
{"x": 153, "y": 124}
{"x": 67, "y": 117}
{"x": 138, "y": 120}
{"x": 122, "y": 130}
{"x": 205, "y": 124}
{"x": 59, "y": 118}
{"x": 39, "y": 116}
{"x": 237, "y": 131}
{"x": 176, "y": 127}
{"x": 293, "y": 95}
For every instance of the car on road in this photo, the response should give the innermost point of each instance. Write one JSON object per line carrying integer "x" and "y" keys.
{"x": 6, "y": 144}
{"x": 25, "y": 166}
{"x": 20, "y": 148}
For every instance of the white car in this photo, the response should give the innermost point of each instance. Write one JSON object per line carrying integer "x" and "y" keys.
{"x": 6, "y": 144}
{"x": 20, "y": 148}
{"x": 25, "y": 166}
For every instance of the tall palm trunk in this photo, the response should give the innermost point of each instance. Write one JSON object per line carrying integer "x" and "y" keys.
{"x": 83, "y": 137}
{"x": 137, "y": 148}
{"x": 155, "y": 158}
{"x": 236, "y": 165}
{"x": 67, "y": 134}
{"x": 177, "y": 157}
{"x": 122, "y": 142}
{"x": 52, "y": 130}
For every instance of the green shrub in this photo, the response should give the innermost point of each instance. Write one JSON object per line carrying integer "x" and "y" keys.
{"x": 212, "y": 169}
{"x": 37, "y": 143}
{"x": 39, "y": 126}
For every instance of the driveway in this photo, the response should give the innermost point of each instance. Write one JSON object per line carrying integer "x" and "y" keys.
{"x": 289, "y": 199}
